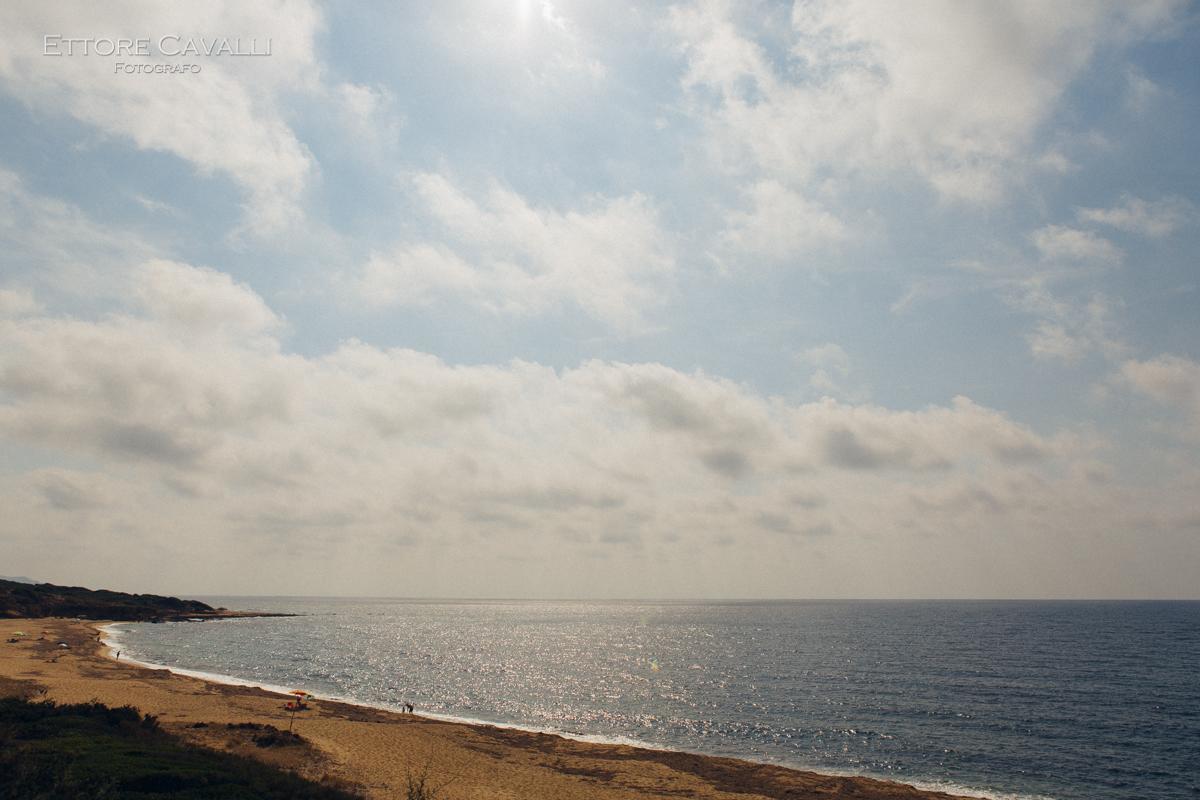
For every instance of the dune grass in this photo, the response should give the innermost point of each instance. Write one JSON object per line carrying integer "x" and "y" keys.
{"x": 92, "y": 751}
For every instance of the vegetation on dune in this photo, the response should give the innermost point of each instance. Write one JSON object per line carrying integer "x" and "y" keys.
{"x": 70, "y": 752}
{"x": 419, "y": 785}
{"x": 47, "y": 600}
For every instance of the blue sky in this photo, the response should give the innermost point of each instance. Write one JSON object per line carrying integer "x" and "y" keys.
{"x": 555, "y": 298}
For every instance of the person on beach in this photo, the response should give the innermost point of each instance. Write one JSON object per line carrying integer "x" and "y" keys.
{"x": 118, "y": 658}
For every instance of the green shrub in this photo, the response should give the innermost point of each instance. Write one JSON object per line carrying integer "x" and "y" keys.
{"x": 88, "y": 750}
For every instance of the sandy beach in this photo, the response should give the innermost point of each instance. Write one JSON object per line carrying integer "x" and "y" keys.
{"x": 375, "y": 751}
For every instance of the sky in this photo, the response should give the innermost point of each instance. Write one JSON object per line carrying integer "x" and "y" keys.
{"x": 509, "y": 298}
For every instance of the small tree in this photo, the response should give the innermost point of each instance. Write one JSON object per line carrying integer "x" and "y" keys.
{"x": 419, "y": 786}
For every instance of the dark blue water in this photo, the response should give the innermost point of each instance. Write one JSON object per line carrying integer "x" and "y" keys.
{"x": 1055, "y": 699}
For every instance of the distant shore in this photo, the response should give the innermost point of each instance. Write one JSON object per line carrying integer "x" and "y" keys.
{"x": 376, "y": 751}
{"x": 19, "y": 600}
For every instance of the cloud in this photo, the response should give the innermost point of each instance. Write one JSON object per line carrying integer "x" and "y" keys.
{"x": 843, "y": 448}
{"x": 832, "y": 372}
{"x": 18, "y": 302}
{"x": 369, "y": 117}
{"x": 1065, "y": 244}
{"x": 1069, "y": 319}
{"x": 866, "y": 437}
{"x": 58, "y": 247}
{"x": 201, "y": 301}
{"x": 779, "y": 523}
{"x": 1141, "y": 93}
{"x": 363, "y": 458}
{"x": 1051, "y": 279}
{"x": 1154, "y": 219}
{"x": 188, "y": 437}
{"x": 417, "y": 275}
{"x": 779, "y": 224}
{"x": 1173, "y": 381}
{"x": 499, "y": 252}
{"x": 227, "y": 119}
{"x": 142, "y": 386}
{"x": 535, "y": 50}
{"x": 1069, "y": 324}
{"x": 1066, "y": 329}
{"x": 952, "y": 92}
{"x": 830, "y": 355}
{"x": 155, "y": 206}
{"x": 69, "y": 490}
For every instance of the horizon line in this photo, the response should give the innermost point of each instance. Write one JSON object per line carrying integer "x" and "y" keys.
{"x": 493, "y": 599}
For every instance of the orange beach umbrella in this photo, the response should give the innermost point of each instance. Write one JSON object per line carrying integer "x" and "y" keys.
{"x": 293, "y": 707}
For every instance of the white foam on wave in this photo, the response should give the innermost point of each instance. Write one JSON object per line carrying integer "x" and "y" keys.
{"x": 970, "y": 791}
{"x": 111, "y": 639}
{"x": 928, "y": 785}
{"x": 588, "y": 738}
{"x": 947, "y": 787}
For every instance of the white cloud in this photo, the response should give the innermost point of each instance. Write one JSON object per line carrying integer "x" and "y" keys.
{"x": 1146, "y": 218}
{"x": 1052, "y": 340}
{"x": 74, "y": 260}
{"x": 1070, "y": 318}
{"x": 1054, "y": 161}
{"x": 829, "y": 355}
{"x": 361, "y": 459}
{"x": 201, "y": 301}
{"x": 609, "y": 259}
{"x": 779, "y": 224}
{"x": 832, "y": 372}
{"x": 1052, "y": 283}
{"x": 136, "y": 387}
{"x": 1141, "y": 93}
{"x": 417, "y": 274}
{"x": 1063, "y": 243}
{"x": 18, "y": 302}
{"x": 952, "y": 91}
{"x": 1066, "y": 329}
{"x": 227, "y": 119}
{"x": 58, "y": 247}
{"x": 155, "y": 206}
{"x": 1171, "y": 380}
{"x": 368, "y": 115}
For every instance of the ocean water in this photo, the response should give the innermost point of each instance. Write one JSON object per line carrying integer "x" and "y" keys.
{"x": 1003, "y": 699}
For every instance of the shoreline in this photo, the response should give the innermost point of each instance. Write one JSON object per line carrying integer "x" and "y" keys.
{"x": 375, "y": 748}
{"x": 233, "y": 680}
{"x": 958, "y": 792}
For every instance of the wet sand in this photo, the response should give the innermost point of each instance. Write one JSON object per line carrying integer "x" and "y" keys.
{"x": 376, "y": 751}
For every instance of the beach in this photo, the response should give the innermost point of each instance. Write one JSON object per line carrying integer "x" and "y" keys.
{"x": 375, "y": 751}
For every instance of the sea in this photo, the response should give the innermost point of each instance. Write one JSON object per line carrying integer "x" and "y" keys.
{"x": 1008, "y": 699}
